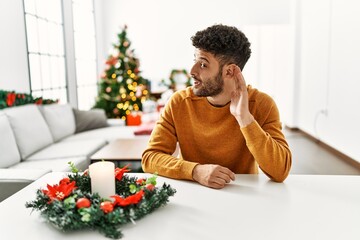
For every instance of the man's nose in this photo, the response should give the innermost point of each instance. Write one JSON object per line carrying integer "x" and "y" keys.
{"x": 193, "y": 71}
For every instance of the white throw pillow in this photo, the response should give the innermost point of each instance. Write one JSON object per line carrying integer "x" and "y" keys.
{"x": 9, "y": 153}
{"x": 30, "y": 129}
{"x": 60, "y": 119}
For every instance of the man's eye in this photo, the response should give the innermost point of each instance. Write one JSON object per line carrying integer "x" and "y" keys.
{"x": 202, "y": 65}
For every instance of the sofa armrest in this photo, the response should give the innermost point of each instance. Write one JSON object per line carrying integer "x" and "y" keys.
{"x": 13, "y": 180}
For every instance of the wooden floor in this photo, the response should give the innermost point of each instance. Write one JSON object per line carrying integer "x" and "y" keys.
{"x": 311, "y": 158}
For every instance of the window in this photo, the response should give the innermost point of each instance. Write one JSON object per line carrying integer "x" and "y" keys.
{"x": 85, "y": 53}
{"x": 45, "y": 38}
{"x": 51, "y": 66}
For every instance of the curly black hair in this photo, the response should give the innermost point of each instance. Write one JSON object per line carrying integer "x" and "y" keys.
{"x": 228, "y": 44}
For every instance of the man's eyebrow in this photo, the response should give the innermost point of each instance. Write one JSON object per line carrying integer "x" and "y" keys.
{"x": 205, "y": 59}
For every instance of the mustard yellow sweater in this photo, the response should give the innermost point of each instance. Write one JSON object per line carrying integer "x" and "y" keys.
{"x": 211, "y": 135}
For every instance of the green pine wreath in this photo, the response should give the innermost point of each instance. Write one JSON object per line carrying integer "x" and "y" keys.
{"x": 70, "y": 205}
{"x": 172, "y": 84}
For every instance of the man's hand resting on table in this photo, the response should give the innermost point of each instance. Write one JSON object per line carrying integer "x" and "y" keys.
{"x": 214, "y": 176}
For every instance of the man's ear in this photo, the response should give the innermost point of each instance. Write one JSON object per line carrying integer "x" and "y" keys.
{"x": 229, "y": 70}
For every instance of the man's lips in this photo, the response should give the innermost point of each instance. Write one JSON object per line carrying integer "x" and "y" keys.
{"x": 197, "y": 82}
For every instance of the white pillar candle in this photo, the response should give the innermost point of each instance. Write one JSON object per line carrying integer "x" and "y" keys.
{"x": 102, "y": 175}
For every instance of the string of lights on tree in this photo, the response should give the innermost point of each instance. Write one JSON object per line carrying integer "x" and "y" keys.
{"x": 122, "y": 88}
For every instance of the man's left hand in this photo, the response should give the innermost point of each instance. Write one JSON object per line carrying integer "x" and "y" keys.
{"x": 239, "y": 106}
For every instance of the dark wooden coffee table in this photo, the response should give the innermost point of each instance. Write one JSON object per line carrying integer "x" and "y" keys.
{"x": 123, "y": 152}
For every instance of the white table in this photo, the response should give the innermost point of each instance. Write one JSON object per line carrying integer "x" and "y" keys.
{"x": 252, "y": 207}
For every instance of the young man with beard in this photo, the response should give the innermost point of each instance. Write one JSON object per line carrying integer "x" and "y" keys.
{"x": 223, "y": 127}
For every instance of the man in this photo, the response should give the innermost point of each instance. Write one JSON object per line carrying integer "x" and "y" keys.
{"x": 222, "y": 126}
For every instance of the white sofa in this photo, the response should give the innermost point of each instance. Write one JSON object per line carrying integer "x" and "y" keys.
{"x": 35, "y": 140}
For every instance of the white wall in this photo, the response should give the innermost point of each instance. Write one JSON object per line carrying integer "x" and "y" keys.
{"x": 14, "y": 72}
{"x": 160, "y": 30}
{"x": 329, "y": 90}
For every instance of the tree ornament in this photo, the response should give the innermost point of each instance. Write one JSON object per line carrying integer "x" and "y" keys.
{"x": 122, "y": 90}
{"x": 108, "y": 89}
{"x": 112, "y": 60}
{"x": 116, "y": 52}
{"x": 116, "y": 111}
{"x": 103, "y": 75}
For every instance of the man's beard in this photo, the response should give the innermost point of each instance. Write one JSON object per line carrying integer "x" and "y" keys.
{"x": 210, "y": 87}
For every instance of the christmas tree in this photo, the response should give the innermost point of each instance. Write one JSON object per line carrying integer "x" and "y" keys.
{"x": 122, "y": 89}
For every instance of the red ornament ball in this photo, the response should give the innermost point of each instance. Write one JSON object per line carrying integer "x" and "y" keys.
{"x": 150, "y": 187}
{"x": 83, "y": 203}
{"x": 107, "y": 206}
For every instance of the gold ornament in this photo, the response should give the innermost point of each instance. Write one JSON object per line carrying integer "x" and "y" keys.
{"x": 122, "y": 90}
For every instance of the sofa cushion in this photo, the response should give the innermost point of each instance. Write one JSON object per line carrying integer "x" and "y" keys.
{"x": 91, "y": 119}
{"x": 60, "y": 119}
{"x": 9, "y": 152}
{"x": 56, "y": 165}
{"x": 68, "y": 149}
{"x": 30, "y": 129}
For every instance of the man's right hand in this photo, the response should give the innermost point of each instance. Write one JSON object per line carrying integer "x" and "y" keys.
{"x": 214, "y": 176}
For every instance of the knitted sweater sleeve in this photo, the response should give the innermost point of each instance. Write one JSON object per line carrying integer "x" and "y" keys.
{"x": 158, "y": 155}
{"x": 266, "y": 142}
